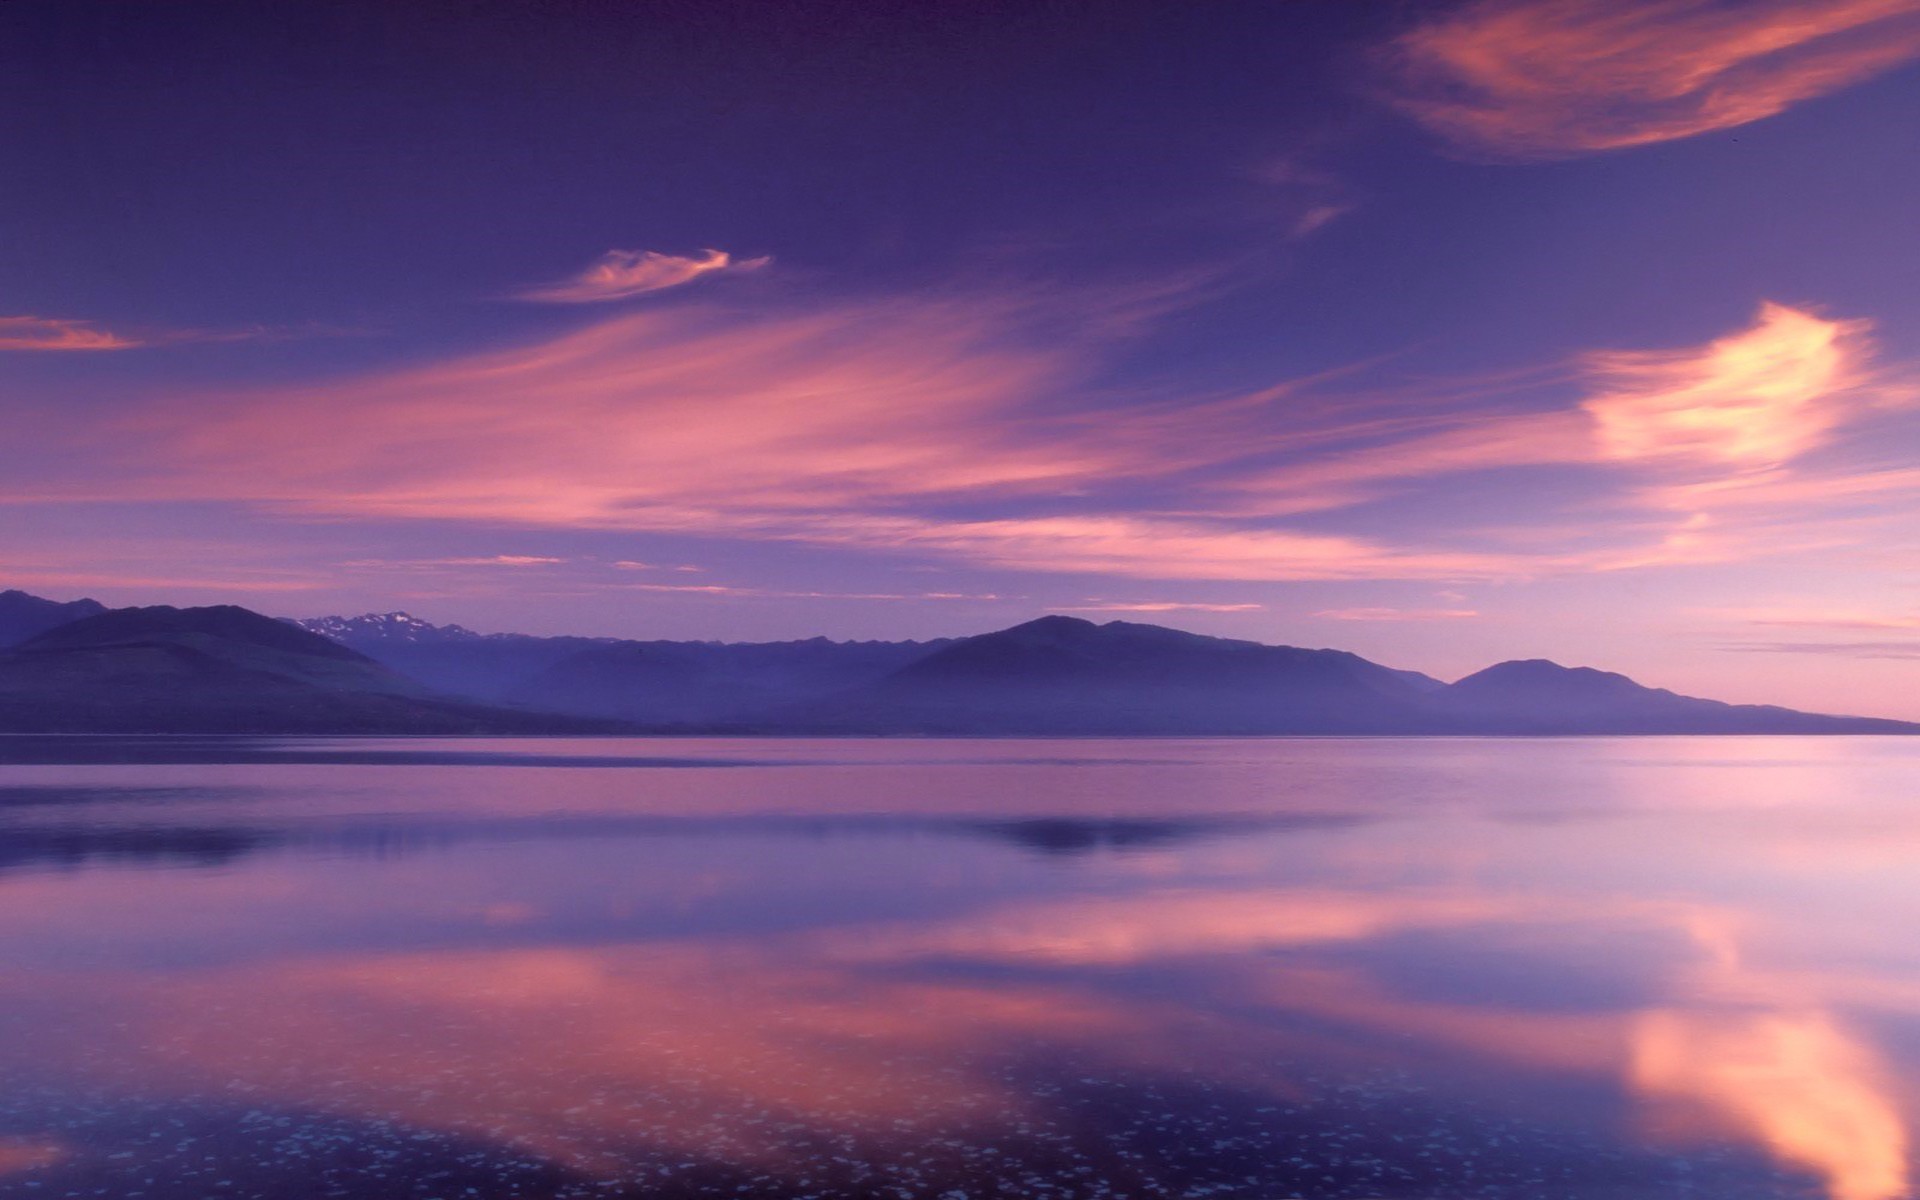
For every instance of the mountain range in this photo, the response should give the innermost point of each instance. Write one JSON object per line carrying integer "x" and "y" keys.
{"x": 80, "y": 667}
{"x": 223, "y": 670}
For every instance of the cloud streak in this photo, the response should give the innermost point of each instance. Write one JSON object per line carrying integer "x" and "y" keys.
{"x": 1899, "y": 651}
{"x": 624, "y": 274}
{"x": 1544, "y": 79}
{"x": 1725, "y": 450}
{"x": 964, "y": 429}
{"x": 59, "y": 335}
{"x": 1396, "y": 614}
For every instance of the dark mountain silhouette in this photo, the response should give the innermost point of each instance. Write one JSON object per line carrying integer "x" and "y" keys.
{"x": 1534, "y": 696}
{"x": 228, "y": 670}
{"x": 223, "y": 670}
{"x": 23, "y": 616}
{"x": 1062, "y": 675}
{"x": 1065, "y": 675}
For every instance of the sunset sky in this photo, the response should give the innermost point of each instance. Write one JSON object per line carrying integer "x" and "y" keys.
{"x": 1445, "y": 333}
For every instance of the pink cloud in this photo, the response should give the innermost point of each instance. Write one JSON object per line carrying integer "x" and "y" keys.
{"x": 55, "y": 334}
{"x": 623, "y": 274}
{"x": 874, "y": 426}
{"x": 1531, "y": 79}
{"x": 492, "y": 560}
{"x": 1802, "y": 618}
{"x": 718, "y": 589}
{"x": 1744, "y": 446}
{"x": 1146, "y": 547}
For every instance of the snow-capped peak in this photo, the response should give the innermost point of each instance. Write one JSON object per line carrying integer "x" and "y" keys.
{"x": 384, "y": 627}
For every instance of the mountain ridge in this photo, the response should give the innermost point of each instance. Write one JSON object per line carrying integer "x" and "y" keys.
{"x": 23, "y": 616}
{"x": 1053, "y": 675}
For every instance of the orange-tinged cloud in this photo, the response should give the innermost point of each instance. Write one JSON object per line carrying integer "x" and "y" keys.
{"x": 1812, "y": 1093}
{"x": 623, "y": 274}
{"x": 1756, "y": 398}
{"x": 1718, "y": 452}
{"x": 646, "y": 421}
{"x": 1537, "y": 79}
{"x": 56, "y": 334}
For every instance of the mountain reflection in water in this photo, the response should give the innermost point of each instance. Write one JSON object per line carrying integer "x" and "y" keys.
{"x": 1259, "y": 968}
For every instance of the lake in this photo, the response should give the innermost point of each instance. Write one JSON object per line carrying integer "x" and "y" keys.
{"x": 1251, "y": 968}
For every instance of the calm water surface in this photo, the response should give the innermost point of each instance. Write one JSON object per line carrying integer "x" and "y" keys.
{"x": 903, "y": 969}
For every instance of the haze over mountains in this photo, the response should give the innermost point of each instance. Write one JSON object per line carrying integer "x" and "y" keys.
{"x": 228, "y": 670}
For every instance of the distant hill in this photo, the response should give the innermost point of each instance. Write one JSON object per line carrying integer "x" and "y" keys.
{"x": 23, "y": 616}
{"x": 1534, "y": 696}
{"x": 223, "y": 670}
{"x": 1064, "y": 675}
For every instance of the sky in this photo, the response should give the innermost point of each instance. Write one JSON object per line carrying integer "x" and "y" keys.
{"x": 1444, "y": 333}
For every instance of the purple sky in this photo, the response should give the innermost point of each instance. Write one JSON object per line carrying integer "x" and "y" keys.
{"x": 1586, "y": 329}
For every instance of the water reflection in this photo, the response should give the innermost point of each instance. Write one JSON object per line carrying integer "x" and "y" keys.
{"x": 1238, "y": 968}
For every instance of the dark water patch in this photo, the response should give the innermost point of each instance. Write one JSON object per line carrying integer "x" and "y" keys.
{"x": 29, "y": 796}
{"x": 79, "y": 846}
{"x": 1070, "y": 836}
{"x": 398, "y": 837}
{"x": 155, "y": 750}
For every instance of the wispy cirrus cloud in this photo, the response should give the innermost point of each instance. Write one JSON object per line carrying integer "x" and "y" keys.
{"x": 1881, "y": 650}
{"x": 489, "y": 560}
{"x": 761, "y": 593}
{"x": 60, "y": 335}
{"x": 1543, "y": 79}
{"x": 952, "y": 429}
{"x": 623, "y": 274}
{"x": 1154, "y": 547}
{"x": 1819, "y": 618}
{"x": 848, "y": 426}
{"x": 1722, "y": 448}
